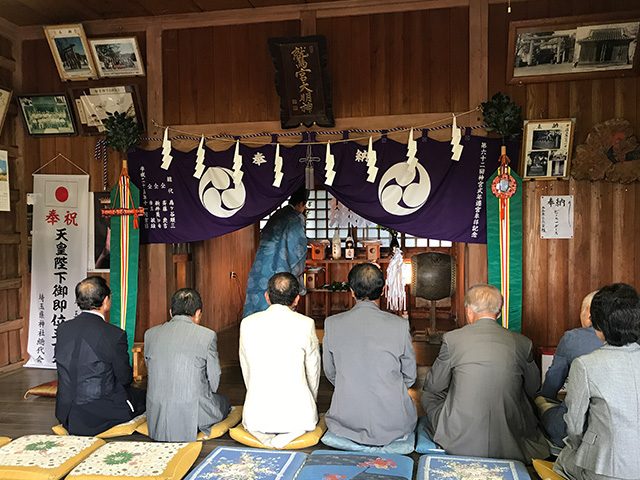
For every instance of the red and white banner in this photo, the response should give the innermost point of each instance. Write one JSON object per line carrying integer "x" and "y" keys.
{"x": 59, "y": 259}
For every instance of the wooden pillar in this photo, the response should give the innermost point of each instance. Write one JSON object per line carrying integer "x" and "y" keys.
{"x": 476, "y": 254}
{"x": 308, "y": 22}
{"x": 160, "y": 286}
{"x": 21, "y": 221}
{"x": 14, "y": 288}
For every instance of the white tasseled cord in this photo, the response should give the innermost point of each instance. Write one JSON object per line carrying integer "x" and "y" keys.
{"x": 394, "y": 287}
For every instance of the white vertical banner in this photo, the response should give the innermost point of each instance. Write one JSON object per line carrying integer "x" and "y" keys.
{"x": 59, "y": 259}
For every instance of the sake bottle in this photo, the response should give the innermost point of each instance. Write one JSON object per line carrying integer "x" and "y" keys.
{"x": 349, "y": 248}
{"x": 336, "y": 246}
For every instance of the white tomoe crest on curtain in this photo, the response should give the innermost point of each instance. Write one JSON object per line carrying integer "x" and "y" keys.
{"x": 372, "y": 158}
{"x": 199, "y": 159}
{"x": 166, "y": 150}
{"x": 277, "y": 168}
{"x": 329, "y": 164}
{"x": 404, "y": 188}
{"x": 59, "y": 259}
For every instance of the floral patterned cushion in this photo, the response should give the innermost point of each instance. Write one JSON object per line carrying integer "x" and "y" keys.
{"x": 336, "y": 465}
{"x": 444, "y": 467}
{"x": 309, "y": 439}
{"x": 44, "y": 457}
{"x": 217, "y": 430}
{"x": 120, "y": 430}
{"x": 130, "y": 460}
{"x": 233, "y": 463}
{"x": 4, "y": 441}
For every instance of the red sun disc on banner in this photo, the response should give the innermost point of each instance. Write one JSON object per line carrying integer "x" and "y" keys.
{"x": 62, "y": 194}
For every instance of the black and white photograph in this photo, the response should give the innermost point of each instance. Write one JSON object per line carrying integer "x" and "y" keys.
{"x": 546, "y": 148}
{"x": 70, "y": 49}
{"x": 544, "y": 53}
{"x": 537, "y": 163}
{"x": 47, "y": 114}
{"x": 549, "y": 139}
{"x": 546, "y": 50}
{"x": 117, "y": 57}
{"x": 610, "y": 46}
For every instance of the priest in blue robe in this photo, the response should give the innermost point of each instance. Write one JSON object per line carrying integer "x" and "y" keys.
{"x": 283, "y": 248}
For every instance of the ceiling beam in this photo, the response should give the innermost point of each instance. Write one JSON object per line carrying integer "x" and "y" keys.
{"x": 10, "y": 28}
{"x": 241, "y": 16}
{"x": 59, "y": 11}
{"x": 252, "y": 15}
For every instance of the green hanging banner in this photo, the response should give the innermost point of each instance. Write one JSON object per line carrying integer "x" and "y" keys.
{"x": 125, "y": 243}
{"x": 504, "y": 240}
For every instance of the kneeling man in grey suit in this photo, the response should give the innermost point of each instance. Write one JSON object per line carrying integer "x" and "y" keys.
{"x": 477, "y": 396}
{"x": 184, "y": 373}
{"x": 368, "y": 356}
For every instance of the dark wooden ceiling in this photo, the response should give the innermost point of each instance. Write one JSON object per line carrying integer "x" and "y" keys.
{"x": 48, "y": 12}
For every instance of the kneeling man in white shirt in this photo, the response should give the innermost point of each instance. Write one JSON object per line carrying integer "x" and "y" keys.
{"x": 280, "y": 362}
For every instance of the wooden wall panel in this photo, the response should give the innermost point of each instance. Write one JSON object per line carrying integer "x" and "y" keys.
{"x": 214, "y": 260}
{"x": 12, "y": 255}
{"x": 221, "y": 74}
{"x": 558, "y": 273}
{"x": 40, "y": 76}
{"x": 398, "y": 63}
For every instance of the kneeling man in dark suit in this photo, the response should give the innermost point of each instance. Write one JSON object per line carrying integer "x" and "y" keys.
{"x": 94, "y": 374}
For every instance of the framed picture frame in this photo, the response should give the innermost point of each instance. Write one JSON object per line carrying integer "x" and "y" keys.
{"x": 93, "y": 105}
{"x": 117, "y": 57}
{"x": 5, "y": 100}
{"x": 302, "y": 81}
{"x": 546, "y": 148}
{"x": 70, "y": 49}
{"x": 572, "y": 48}
{"x": 47, "y": 114}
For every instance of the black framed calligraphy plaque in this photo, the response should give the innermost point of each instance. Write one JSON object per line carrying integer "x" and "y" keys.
{"x": 302, "y": 81}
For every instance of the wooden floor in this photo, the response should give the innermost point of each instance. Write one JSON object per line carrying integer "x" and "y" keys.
{"x": 19, "y": 416}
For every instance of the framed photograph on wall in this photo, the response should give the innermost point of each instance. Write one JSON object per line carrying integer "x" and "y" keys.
{"x": 94, "y": 105}
{"x": 47, "y": 114}
{"x": 70, "y": 50}
{"x": 117, "y": 57}
{"x": 547, "y": 147}
{"x": 5, "y": 99}
{"x": 572, "y": 48}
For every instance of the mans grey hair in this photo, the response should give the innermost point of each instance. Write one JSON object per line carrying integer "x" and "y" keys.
{"x": 484, "y": 298}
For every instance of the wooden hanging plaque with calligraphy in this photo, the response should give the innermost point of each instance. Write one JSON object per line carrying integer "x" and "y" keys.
{"x": 302, "y": 81}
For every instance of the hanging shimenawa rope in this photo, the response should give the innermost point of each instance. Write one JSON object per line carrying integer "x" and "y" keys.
{"x": 101, "y": 150}
{"x": 366, "y": 133}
